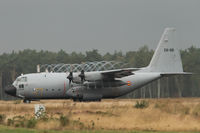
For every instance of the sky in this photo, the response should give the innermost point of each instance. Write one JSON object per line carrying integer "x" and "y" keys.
{"x": 106, "y": 25}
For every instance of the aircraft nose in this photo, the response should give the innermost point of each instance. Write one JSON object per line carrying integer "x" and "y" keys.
{"x": 11, "y": 90}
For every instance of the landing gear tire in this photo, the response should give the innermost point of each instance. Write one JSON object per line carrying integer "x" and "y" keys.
{"x": 78, "y": 100}
{"x": 26, "y": 101}
{"x": 82, "y": 100}
{"x": 75, "y": 100}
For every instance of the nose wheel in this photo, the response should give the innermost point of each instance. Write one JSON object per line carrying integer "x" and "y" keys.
{"x": 26, "y": 101}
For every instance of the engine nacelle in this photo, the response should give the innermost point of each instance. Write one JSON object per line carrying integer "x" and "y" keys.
{"x": 89, "y": 76}
{"x": 93, "y": 76}
{"x": 76, "y": 92}
{"x": 82, "y": 94}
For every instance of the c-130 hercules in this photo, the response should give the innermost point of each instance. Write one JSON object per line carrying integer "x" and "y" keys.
{"x": 93, "y": 86}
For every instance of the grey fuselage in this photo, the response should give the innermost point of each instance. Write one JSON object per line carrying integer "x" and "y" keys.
{"x": 56, "y": 86}
{"x": 166, "y": 61}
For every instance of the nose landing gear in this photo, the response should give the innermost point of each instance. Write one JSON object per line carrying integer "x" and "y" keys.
{"x": 26, "y": 101}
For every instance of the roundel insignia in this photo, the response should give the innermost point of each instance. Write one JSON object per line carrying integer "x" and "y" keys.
{"x": 129, "y": 83}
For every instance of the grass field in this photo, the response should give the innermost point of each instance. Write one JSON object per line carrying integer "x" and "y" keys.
{"x": 4, "y": 129}
{"x": 121, "y": 115}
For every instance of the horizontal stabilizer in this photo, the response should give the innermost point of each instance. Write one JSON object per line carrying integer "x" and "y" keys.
{"x": 178, "y": 73}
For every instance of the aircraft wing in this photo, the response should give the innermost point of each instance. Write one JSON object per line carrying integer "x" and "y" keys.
{"x": 118, "y": 73}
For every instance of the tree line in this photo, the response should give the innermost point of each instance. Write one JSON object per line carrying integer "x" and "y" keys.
{"x": 15, "y": 63}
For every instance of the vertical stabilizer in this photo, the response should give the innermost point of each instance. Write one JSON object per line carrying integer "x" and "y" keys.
{"x": 167, "y": 56}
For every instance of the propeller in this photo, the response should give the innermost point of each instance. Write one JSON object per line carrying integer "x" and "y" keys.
{"x": 82, "y": 74}
{"x": 70, "y": 76}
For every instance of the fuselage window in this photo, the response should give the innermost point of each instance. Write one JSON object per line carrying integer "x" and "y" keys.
{"x": 52, "y": 89}
{"x": 166, "y": 49}
{"x": 171, "y": 50}
{"x": 58, "y": 89}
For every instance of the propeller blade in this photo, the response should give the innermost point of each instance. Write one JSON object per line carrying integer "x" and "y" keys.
{"x": 70, "y": 76}
{"x": 82, "y": 76}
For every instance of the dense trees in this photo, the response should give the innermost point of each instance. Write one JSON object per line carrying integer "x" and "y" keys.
{"x": 15, "y": 63}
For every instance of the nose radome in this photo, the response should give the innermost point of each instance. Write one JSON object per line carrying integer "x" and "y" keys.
{"x": 11, "y": 90}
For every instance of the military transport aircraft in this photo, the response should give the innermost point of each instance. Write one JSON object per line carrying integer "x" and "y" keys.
{"x": 93, "y": 86}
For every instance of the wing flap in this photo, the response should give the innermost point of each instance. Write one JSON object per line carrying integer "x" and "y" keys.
{"x": 118, "y": 73}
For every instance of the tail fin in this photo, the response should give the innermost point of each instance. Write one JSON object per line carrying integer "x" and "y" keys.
{"x": 167, "y": 58}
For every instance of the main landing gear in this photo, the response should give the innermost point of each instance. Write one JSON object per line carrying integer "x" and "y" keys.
{"x": 87, "y": 100}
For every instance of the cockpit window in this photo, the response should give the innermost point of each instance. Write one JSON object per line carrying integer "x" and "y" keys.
{"x": 18, "y": 79}
{"x": 21, "y": 86}
{"x": 22, "y": 79}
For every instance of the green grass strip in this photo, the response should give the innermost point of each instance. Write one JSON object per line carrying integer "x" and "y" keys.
{"x": 5, "y": 129}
